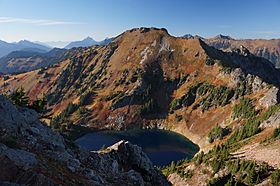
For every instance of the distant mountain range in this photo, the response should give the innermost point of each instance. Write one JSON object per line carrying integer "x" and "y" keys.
{"x": 24, "y": 45}
{"x": 42, "y": 47}
{"x": 25, "y": 55}
{"x": 87, "y": 42}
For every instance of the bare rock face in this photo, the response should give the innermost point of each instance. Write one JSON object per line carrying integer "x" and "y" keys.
{"x": 136, "y": 156}
{"x": 270, "y": 98}
{"x": 257, "y": 84}
{"x": 21, "y": 158}
{"x": 237, "y": 75}
{"x": 242, "y": 51}
{"x": 32, "y": 154}
{"x": 273, "y": 121}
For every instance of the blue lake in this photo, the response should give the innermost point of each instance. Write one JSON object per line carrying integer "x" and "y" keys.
{"x": 161, "y": 146}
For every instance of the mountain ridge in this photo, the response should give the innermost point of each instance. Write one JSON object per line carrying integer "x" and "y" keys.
{"x": 267, "y": 48}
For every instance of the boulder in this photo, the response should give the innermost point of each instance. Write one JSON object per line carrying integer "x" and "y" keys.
{"x": 139, "y": 163}
{"x": 133, "y": 154}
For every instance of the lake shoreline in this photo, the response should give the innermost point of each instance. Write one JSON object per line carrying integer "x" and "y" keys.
{"x": 162, "y": 146}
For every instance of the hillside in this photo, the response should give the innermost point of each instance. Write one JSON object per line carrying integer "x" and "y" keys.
{"x": 269, "y": 49}
{"x": 142, "y": 75}
{"x": 147, "y": 78}
{"x": 22, "y": 61}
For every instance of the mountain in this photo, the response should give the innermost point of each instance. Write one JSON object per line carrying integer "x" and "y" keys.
{"x": 227, "y": 102}
{"x": 44, "y": 44}
{"x": 6, "y": 48}
{"x": 83, "y": 43}
{"x": 57, "y": 44}
{"x": 33, "y": 154}
{"x": 189, "y": 36}
{"x": 22, "y": 61}
{"x": 87, "y": 42}
{"x": 27, "y": 45}
{"x": 269, "y": 49}
{"x": 105, "y": 41}
{"x": 31, "y": 56}
{"x": 220, "y": 36}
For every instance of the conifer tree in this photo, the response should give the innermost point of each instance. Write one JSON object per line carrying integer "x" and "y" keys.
{"x": 19, "y": 98}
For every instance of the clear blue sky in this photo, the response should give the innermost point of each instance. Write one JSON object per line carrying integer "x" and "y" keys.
{"x": 65, "y": 20}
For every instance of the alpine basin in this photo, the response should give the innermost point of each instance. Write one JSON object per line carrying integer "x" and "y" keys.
{"x": 161, "y": 146}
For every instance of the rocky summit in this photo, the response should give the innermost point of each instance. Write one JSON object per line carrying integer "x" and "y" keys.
{"x": 33, "y": 154}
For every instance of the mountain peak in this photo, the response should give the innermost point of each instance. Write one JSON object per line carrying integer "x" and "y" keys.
{"x": 86, "y": 42}
{"x": 24, "y": 41}
{"x": 3, "y": 42}
{"x": 88, "y": 39}
{"x": 220, "y": 36}
{"x": 188, "y": 36}
{"x": 147, "y": 29}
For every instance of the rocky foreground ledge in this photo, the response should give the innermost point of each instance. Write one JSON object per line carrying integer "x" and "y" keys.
{"x": 33, "y": 154}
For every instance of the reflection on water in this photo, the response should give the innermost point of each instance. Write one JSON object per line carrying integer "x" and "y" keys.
{"x": 161, "y": 146}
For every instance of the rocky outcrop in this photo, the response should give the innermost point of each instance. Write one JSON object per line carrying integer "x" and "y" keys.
{"x": 272, "y": 121}
{"x": 21, "y": 158}
{"x": 242, "y": 51}
{"x": 32, "y": 154}
{"x": 270, "y": 98}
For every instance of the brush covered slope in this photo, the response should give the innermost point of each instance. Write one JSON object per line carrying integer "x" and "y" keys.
{"x": 33, "y": 154}
{"x": 146, "y": 78}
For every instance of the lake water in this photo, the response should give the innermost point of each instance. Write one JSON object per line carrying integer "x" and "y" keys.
{"x": 161, "y": 146}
